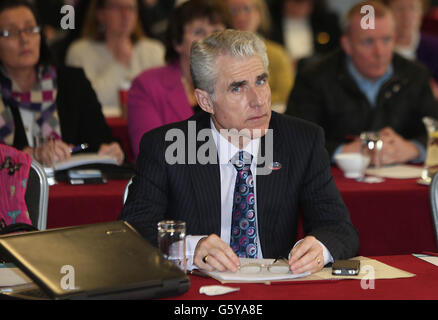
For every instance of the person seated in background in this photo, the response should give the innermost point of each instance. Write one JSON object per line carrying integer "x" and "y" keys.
{"x": 113, "y": 50}
{"x": 163, "y": 95}
{"x": 231, "y": 205}
{"x": 253, "y": 15}
{"x": 155, "y": 16}
{"x": 37, "y": 99}
{"x": 366, "y": 87}
{"x": 409, "y": 41}
{"x": 306, "y": 28}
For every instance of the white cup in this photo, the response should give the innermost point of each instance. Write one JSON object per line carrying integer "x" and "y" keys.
{"x": 352, "y": 164}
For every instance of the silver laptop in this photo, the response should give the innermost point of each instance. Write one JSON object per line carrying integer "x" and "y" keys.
{"x": 99, "y": 261}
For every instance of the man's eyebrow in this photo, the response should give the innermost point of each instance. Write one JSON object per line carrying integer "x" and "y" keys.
{"x": 262, "y": 76}
{"x": 237, "y": 84}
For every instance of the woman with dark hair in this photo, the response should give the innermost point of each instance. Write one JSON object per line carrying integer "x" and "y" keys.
{"x": 163, "y": 95}
{"x": 37, "y": 99}
{"x": 113, "y": 49}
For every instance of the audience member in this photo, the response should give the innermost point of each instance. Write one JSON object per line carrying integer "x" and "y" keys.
{"x": 306, "y": 28}
{"x": 253, "y": 15}
{"x": 409, "y": 42}
{"x": 113, "y": 49}
{"x": 366, "y": 87}
{"x": 38, "y": 99}
{"x": 155, "y": 16}
{"x": 230, "y": 207}
{"x": 164, "y": 95}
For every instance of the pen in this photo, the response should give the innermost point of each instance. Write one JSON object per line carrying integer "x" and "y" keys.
{"x": 79, "y": 147}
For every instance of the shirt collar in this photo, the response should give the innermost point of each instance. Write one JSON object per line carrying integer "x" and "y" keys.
{"x": 227, "y": 150}
{"x": 360, "y": 79}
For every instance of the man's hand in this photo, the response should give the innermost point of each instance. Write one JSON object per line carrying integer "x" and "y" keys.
{"x": 395, "y": 148}
{"x": 306, "y": 256}
{"x": 212, "y": 253}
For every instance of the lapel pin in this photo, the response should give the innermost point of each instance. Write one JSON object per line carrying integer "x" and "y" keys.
{"x": 275, "y": 165}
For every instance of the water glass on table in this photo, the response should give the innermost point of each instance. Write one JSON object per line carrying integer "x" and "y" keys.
{"x": 172, "y": 242}
{"x": 372, "y": 146}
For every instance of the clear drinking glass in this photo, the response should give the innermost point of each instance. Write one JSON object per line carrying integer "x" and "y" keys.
{"x": 172, "y": 242}
{"x": 372, "y": 146}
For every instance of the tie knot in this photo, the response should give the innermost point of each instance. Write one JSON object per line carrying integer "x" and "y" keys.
{"x": 242, "y": 160}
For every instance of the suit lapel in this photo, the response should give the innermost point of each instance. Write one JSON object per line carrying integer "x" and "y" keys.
{"x": 206, "y": 185}
{"x": 270, "y": 188}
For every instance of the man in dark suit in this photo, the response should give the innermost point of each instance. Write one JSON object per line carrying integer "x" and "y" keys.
{"x": 229, "y": 211}
{"x": 366, "y": 87}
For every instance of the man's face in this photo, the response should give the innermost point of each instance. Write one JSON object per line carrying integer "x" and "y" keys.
{"x": 242, "y": 95}
{"x": 370, "y": 49}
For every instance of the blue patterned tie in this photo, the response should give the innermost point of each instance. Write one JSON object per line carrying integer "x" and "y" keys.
{"x": 243, "y": 225}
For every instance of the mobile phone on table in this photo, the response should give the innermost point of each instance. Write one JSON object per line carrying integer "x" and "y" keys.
{"x": 346, "y": 267}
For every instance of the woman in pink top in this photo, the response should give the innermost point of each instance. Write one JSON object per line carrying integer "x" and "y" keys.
{"x": 163, "y": 95}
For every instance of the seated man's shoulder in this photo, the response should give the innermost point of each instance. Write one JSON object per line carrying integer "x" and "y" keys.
{"x": 292, "y": 125}
{"x": 410, "y": 69}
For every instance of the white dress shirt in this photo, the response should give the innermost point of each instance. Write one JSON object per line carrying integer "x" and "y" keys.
{"x": 228, "y": 174}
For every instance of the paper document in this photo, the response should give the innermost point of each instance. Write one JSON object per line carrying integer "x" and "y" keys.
{"x": 397, "y": 172}
{"x": 11, "y": 276}
{"x": 84, "y": 158}
{"x": 262, "y": 276}
{"x": 431, "y": 259}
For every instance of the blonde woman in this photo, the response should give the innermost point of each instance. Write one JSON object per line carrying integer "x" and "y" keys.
{"x": 113, "y": 49}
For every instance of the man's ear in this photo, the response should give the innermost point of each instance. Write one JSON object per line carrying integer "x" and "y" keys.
{"x": 345, "y": 44}
{"x": 204, "y": 100}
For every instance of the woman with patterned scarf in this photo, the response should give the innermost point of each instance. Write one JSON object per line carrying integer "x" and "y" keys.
{"x": 37, "y": 99}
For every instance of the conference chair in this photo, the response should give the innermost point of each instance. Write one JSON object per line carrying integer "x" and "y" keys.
{"x": 434, "y": 203}
{"x": 125, "y": 193}
{"x": 37, "y": 195}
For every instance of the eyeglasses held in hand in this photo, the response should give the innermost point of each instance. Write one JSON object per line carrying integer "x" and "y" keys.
{"x": 16, "y": 33}
{"x": 279, "y": 266}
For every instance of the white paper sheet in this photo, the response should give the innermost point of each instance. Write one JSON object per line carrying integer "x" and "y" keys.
{"x": 84, "y": 158}
{"x": 431, "y": 259}
{"x": 263, "y": 275}
{"x": 11, "y": 276}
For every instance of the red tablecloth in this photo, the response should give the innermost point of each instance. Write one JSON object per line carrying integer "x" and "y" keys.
{"x": 119, "y": 129}
{"x": 392, "y": 217}
{"x": 423, "y": 286}
{"x": 84, "y": 204}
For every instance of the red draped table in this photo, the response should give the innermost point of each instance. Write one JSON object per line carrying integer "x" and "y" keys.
{"x": 84, "y": 204}
{"x": 422, "y": 286}
{"x": 392, "y": 217}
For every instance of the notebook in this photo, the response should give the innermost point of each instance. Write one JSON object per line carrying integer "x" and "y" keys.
{"x": 98, "y": 261}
